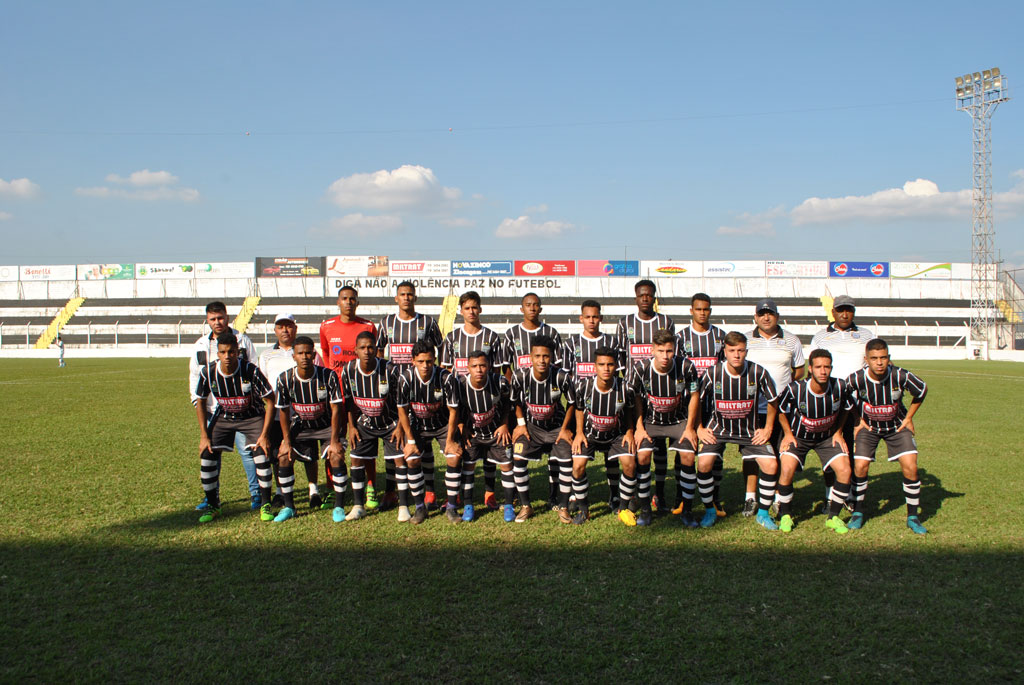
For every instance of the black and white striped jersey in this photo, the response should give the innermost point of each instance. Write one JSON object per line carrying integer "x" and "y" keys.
{"x": 458, "y": 344}
{"x": 579, "y": 352}
{"x": 606, "y": 415}
{"x": 703, "y": 349}
{"x": 813, "y": 416}
{"x": 729, "y": 403}
{"x": 880, "y": 403}
{"x": 518, "y": 339}
{"x": 309, "y": 399}
{"x": 427, "y": 401}
{"x": 635, "y": 335}
{"x": 239, "y": 395}
{"x": 541, "y": 400}
{"x": 396, "y": 336}
{"x": 665, "y": 396}
{"x": 484, "y": 410}
{"x": 372, "y": 395}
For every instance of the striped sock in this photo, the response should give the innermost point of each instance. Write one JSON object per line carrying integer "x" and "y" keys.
{"x": 627, "y": 487}
{"x": 358, "y": 486}
{"x": 837, "y": 497}
{"x": 209, "y": 476}
{"x": 339, "y": 482}
{"x": 553, "y": 474}
{"x": 452, "y": 482}
{"x": 912, "y": 493}
{"x": 785, "y": 499}
{"x": 860, "y": 492}
{"x": 286, "y": 484}
{"x": 264, "y": 474}
{"x": 611, "y": 469}
{"x": 660, "y": 469}
{"x": 766, "y": 489}
{"x": 580, "y": 487}
{"x": 643, "y": 485}
{"x": 508, "y": 484}
{"x": 521, "y": 473}
{"x": 706, "y": 487}
{"x": 468, "y": 474}
{"x": 564, "y": 483}
{"x": 416, "y": 489}
{"x": 427, "y": 464}
{"x": 716, "y": 473}
{"x": 687, "y": 484}
{"x": 490, "y": 472}
{"x": 402, "y": 484}
{"x": 390, "y": 476}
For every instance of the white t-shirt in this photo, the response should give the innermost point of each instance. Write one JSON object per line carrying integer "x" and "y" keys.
{"x": 847, "y": 348}
{"x": 779, "y": 355}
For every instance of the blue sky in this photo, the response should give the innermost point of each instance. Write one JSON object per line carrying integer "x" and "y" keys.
{"x": 222, "y": 131}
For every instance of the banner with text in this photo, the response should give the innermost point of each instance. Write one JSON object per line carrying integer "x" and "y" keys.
{"x": 164, "y": 270}
{"x": 858, "y": 269}
{"x": 223, "y": 269}
{"x": 8, "y": 273}
{"x": 411, "y": 268}
{"x": 671, "y": 269}
{"x": 921, "y": 270}
{"x": 289, "y": 267}
{"x": 64, "y": 272}
{"x": 481, "y": 268}
{"x": 349, "y": 266}
{"x": 741, "y": 269}
{"x": 607, "y": 267}
{"x": 545, "y": 267}
{"x": 786, "y": 269}
{"x": 106, "y": 272}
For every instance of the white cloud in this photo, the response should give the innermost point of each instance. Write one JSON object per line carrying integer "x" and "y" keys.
{"x": 457, "y": 222}
{"x": 144, "y": 177}
{"x": 145, "y": 185}
{"x": 18, "y": 187}
{"x": 6, "y": 216}
{"x": 525, "y": 227}
{"x": 408, "y": 188}
{"x": 361, "y": 225}
{"x": 747, "y": 223}
{"x": 539, "y": 209}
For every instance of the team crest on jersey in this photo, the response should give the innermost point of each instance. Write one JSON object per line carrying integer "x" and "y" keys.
{"x": 619, "y": 405}
{"x": 751, "y": 387}
{"x": 383, "y": 387}
{"x": 718, "y": 387}
{"x": 438, "y": 393}
{"x": 485, "y": 346}
{"x": 321, "y": 392}
{"x": 688, "y": 347}
{"x": 803, "y": 407}
{"x": 391, "y": 332}
{"x": 555, "y": 392}
{"x": 680, "y": 384}
{"x": 631, "y": 333}
{"x": 519, "y": 345}
{"x": 578, "y": 352}
{"x": 246, "y": 387}
{"x": 896, "y": 395}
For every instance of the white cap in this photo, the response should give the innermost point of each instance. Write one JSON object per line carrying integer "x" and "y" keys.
{"x": 283, "y": 316}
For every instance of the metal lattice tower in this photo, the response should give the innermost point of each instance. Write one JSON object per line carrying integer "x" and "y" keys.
{"x": 979, "y": 94}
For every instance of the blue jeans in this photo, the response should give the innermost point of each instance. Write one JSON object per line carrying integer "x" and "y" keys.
{"x": 247, "y": 464}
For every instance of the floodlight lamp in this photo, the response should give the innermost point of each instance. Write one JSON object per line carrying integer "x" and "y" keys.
{"x": 995, "y": 72}
{"x": 987, "y": 74}
{"x": 960, "y": 93}
{"x": 997, "y": 84}
{"x": 977, "y": 76}
{"x": 988, "y": 85}
{"x": 967, "y": 78}
{"x": 959, "y": 81}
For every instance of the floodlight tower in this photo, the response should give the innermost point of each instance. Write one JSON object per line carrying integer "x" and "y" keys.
{"x": 979, "y": 94}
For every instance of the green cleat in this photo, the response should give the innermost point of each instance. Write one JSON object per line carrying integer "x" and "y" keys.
{"x": 836, "y": 524}
{"x": 371, "y": 497}
{"x": 209, "y": 515}
{"x": 265, "y": 513}
{"x": 914, "y": 524}
{"x": 786, "y": 523}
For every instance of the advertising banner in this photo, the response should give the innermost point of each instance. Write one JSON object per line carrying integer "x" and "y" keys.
{"x": 106, "y": 272}
{"x": 927, "y": 270}
{"x": 858, "y": 269}
{"x": 65, "y": 272}
{"x": 671, "y": 268}
{"x": 785, "y": 269}
{"x": 349, "y": 266}
{"x": 164, "y": 270}
{"x": 409, "y": 268}
{"x": 607, "y": 267}
{"x": 223, "y": 270}
{"x": 289, "y": 267}
{"x": 481, "y": 268}
{"x": 545, "y": 267}
{"x": 8, "y": 273}
{"x": 734, "y": 269}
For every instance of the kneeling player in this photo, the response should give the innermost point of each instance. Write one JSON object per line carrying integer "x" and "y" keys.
{"x": 730, "y": 392}
{"x": 432, "y": 395}
{"x": 814, "y": 412}
{"x": 244, "y": 407}
{"x": 311, "y": 431}
{"x": 879, "y": 391}
{"x": 543, "y": 423}
{"x": 604, "y": 422}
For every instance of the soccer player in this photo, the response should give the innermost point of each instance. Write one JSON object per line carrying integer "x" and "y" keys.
{"x": 484, "y": 397}
{"x": 458, "y": 344}
{"x": 578, "y": 358}
{"x": 518, "y": 339}
{"x": 667, "y": 407}
{"x": 204, "y": 351}
{"x": 244, "y": 406}
{"x": 879, "y": 390}
{"x": 395, "y": 338}
{"x": 60, "y": 352}
{"x": 635, "y": 332}
{"x": 369, "y": 387}
{"x": 428, "y": 403}
{"x": 338, "y": 348}
{"x": 604, "y": 422}
{"x": 814, "y": 411}
{"x": 542, "y": 423}
{"x": 730, "y": 392}
{"x": 311, "y": 415}
{"x": 781, "y": 354}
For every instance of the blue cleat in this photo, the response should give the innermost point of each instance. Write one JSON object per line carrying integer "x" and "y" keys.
{"x": 338, "y": 515}
{"x": 914, "y": 524}
{"x": 467, "y": 513}
{"x": 284, "y": 515}
{"x": 710, "y": 516}
{"x": 508, "y": 513}
{"x": 856, "y": 521}
{"x": 686, "y": 518}
{"x": 643, "y": 518}
{"x": 204, "y": 505}
{"x": 765, "y": 520}
{"x": 254, "y": 502}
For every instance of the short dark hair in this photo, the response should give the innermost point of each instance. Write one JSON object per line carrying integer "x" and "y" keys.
{"x": 478, "y": 353}
{"x": 422, "y": 347}
{"x": 645, "y": 282}
{"x": 405, "y": 284}
{"x": 348, "y": 287}
{"x": 605, "y": 351}
{"x": 469, "y": 295}
{"x": 590, "y": 303}
{"x": 363, "y": 335}
{"x": 523, "y": 298}
{"x": 876, "y": 344}
{"x": 216, "y": 307}
{"x": 303, "y": 340}
{"x": 700, "y": 297}
{"x": 818, "y": 354}
{"x": 733, "y": 338}
{"x": 663, "y": 336}
{"x": 543, "y": 341}
{"x": 227, "y": 338}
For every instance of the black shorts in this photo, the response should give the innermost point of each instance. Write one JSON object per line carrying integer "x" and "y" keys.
{"x": 747, "y": 450}
{"x": 423, "y": 443}
{"x": 487, "y": 450}
{"x": 674, "y": 433}
{"x": 826, "y": 451}
{"x": 613, "y": 449}
{"x": 311, "y": 445}
{"x": 897, "y": 443}
{"x": 222, "y": 432}
{"x": 366, "y": 448}
{"x": 542, "y": 441}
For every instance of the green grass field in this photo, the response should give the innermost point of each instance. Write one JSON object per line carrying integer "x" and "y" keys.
{"x": 105, "y": 575}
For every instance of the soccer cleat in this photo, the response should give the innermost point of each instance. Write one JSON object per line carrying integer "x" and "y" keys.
{"x": 277, "y": 500}
{"x": 284, "y": 515}
{"x": 404, "y": 514}
{"x": 836, "y": 524}
{"x": 627, "y": 517}
{"x": 710, "y": 516}
{"x": 581, "y": 516}
{"x": 686, "y": 518}
{"x": 508, "y": 513}
{"x": 643, "y": 518}
{"x": 254, "y": 502}
{"x": 430, "y": 499}
{"x": 764, "y": 519}
{"x": 856, "y": 521}
{"x": 338, "y": 515}
{"x": 468, "y": 514}
{"x": 786, "y": 523}
{"x": 553, "y": 504}
{"x": 328, "y": 501}
{"x": 749, "y": 508}
{"x": 265, "y": 513}
{"x": 420, "y": 515}
{"x": 390, "y": 500}
{"x": 525, "y": 512}
{"x": 452, "y": 515}
{"x": 209, "y": 514}
{"x": 357, "y": 512}
{"x": 204, "y": 505}
{"x": 490, "y": 501}
{"x": 720, "y": 509}
{"x": 914, "y": 524}
{"x": 679, "y": 507}
{"x": 774, "y": 509}
{"x": 315, "y": 501}
{"x": 563, "y": 515}
{"x": 371, "y": 497}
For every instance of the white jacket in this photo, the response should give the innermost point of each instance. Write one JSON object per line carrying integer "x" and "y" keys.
{"x": 205, "y": 351}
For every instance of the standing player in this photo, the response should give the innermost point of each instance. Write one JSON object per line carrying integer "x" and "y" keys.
{"x": 542, "y": 422}
{"x": 879, "y": 389}
{"x": 204, "y": 351}
{"x": 311, "y": 417}
{"x": 244, "y": 406}
{"x": 635, "y": 332}
{"x": 814, "y": 412}
{"x": 428, "y": 402}
{"x": 395, "y": 338}
{"x": 368, "y": 384}
{"x": 338, "y": 347}
{"x": 518, "y": 339}
{"x": 579, "y": 359}
{"x": 60, "y": 352}
{"x": 604, "y": 422}
{"x": 484, "y": 398}
{"x": 458, "y": 345}
{"x": 730, "y": 393}
{"x": 781, "y": 354}
{"x": 667, "y": 408}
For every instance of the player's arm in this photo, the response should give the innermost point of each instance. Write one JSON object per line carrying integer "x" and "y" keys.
{"x": 410, "y": 449}
{"x": 336, "y": 449}
{"x": 798, "y": 372}
{"x": 452, "y": 442}
{"x": 837, "y": 436}
{"x": 762, "y": 435}
{"x": 917, "y": 389}
{"x": 521, "y": 430}
{"x": 503, "y": 435}
{"x": 284, "y": 452}
{"x": 788, "y": 439}
{"x": 692, "y": 419}
{"x": 629, "y": 440}
{"x": 204, "y": 436}
{"x": 705, "y": 435}
{"x": 640, "y": 431}
{"x": 564, "y": 432}
{"x": 263, "y": 442}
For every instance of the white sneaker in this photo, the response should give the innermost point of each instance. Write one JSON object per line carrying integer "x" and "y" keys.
{"x": 356, "y": 513}
{"x": 403, "y": 514}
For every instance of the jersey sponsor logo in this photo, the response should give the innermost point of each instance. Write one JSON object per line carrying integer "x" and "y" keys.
{"x": 540, "y": 412}
{"x": 309, "y": 411}
{"x": 401, "y": 353}
{"x": 234, "y": 403}
{"x": 663, "y": 404}
{"x": 703, "y": 363}
{"x": 604, "y": 423}
{"x": 424, "y": 411}
{"x": 482, "y": 419}
{"x": 734, "y": 409}
{"x": 370, "y": 406}
{"x": 586, "y": 369}
{"x": 817, "y": 425}
{"x": 524, "y": 361}
{"x": 641, "y": 350}
{"x": 880, "y": 412}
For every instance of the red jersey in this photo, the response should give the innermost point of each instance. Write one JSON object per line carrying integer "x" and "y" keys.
{"x": 338, "y": 340}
